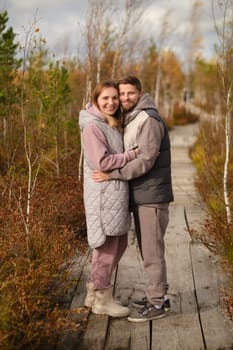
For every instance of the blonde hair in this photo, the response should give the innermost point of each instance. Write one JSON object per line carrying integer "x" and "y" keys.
{"x": 113, "y": 122}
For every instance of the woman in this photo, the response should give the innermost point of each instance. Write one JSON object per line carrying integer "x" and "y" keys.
{"x": 106, "y": 203}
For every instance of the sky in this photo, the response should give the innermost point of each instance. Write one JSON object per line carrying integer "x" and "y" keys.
{"x": 59, "y": 22}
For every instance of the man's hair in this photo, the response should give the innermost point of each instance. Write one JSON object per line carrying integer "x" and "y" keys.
{"x": 132, "y": 80}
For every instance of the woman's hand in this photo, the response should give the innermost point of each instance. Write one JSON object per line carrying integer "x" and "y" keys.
{"x": 99, "y": 176}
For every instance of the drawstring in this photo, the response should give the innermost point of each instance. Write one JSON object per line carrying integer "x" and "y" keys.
{"x": 80, "y": 165}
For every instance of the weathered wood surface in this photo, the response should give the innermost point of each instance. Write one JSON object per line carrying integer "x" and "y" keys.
{"x": 197, "y": 320}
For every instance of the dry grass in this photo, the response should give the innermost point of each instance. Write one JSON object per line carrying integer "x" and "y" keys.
{"x": 31, "y": 314}
{"x": 215, "y": 233}
{"x": 182, "y": 116}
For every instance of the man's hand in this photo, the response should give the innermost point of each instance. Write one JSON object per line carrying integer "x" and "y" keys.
{"x": 100, "y": 176}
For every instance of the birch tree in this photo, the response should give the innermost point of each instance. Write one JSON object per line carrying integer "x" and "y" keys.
{"x": 110, "y": 27}
{"x": 224, "y": 51}
{"x": 193, "y": 44}
{"x": 95, "y": 32}
{"x": 129, "y": 19}
{"x": 32, "y": 159}
{"x": 163, "y": 36}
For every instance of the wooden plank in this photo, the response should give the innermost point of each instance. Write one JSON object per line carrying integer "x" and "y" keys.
{"x": 118, "y": 335}
{"x": 97, "y": 325}
{"x": 181, "y": 328}
{"x": 95, "y": 333}
{"x": 80, "y": 293}
{"x": 129, "y": 284}
{"x": 69, "y": 339}
{"x": 140, "y": 336}
{"x": 218, "y": 331}
{"x": 130, "y": 279}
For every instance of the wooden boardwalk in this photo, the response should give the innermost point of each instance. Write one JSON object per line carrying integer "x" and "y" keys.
{"x": 196, "y": 320}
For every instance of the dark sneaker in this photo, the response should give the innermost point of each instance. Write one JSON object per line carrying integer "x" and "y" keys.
{"x": 147, "y": 313}
{"x": 167, "y": 305}
{"x": 138, "y": 304}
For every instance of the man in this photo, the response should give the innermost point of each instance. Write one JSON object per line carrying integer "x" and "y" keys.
{"x": 150, "y": 186}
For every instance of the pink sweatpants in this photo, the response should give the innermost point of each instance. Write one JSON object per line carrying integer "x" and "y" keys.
{"x": 105, "y": 260}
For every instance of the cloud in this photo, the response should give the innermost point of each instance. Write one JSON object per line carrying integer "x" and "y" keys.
{"x": 179, "y": 23}
{"x": 58, "y": 21}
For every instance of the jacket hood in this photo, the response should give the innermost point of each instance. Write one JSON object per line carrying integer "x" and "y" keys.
{"x": 145, "y": 103}
{"x": 90, "y": 115}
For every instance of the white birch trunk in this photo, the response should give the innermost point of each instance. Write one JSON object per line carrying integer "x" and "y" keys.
{"x": 227, "y": 159}
{"x": 157, "y": 86}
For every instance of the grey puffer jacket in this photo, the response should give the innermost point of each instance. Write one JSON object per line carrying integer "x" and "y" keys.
{"x": 106, "y": 203}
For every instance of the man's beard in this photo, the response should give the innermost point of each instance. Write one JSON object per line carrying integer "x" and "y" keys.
{"x": 128, "y": 109}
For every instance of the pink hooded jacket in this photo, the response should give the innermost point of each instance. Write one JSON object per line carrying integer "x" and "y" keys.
{"x": 106, "y": 203}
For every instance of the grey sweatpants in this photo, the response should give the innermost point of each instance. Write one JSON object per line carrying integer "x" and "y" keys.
{"x": 151, "y": 221}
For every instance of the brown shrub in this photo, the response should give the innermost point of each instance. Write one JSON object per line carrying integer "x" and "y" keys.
{"x": 183, "y": 116}
{"x": 30, "y": 292}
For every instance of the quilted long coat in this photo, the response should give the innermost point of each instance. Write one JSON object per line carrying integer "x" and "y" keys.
{"x": 106, "y": 203}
